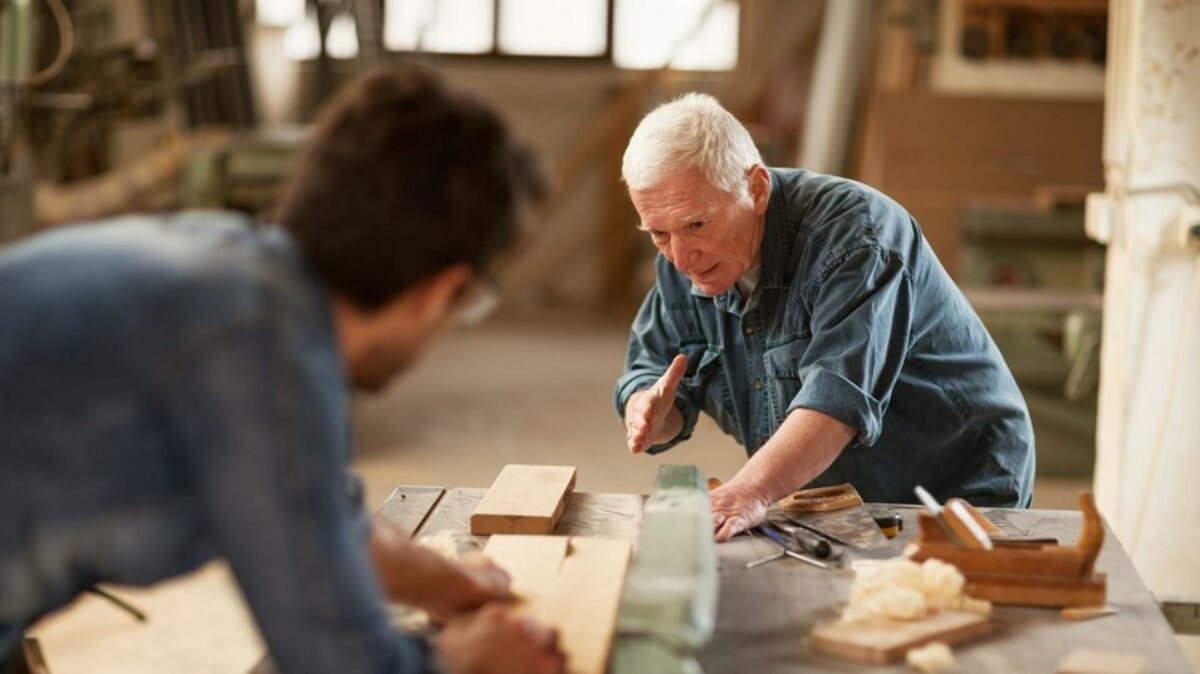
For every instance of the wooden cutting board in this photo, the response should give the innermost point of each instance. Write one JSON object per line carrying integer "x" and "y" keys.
{"x": 573, "y": 584}
{"x": 881, "y": 641}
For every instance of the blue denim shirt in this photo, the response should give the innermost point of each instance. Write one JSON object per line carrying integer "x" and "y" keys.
{"x": 853, "y": 316}
{"x": 172, "y": 391}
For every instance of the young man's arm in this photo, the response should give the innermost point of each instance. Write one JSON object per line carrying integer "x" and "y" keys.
{"x": 260, "y": 416}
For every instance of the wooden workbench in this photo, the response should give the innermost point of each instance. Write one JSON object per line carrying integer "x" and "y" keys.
{"x": 765, "y": 614}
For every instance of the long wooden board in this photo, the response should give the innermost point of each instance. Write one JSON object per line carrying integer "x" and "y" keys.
{"x": 881, "y": 641}
{"x": 524, "y": 499}
{"x": 571, "y": 583}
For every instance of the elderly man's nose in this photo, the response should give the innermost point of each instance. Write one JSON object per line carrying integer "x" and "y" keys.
{"x": 681, "y": 252}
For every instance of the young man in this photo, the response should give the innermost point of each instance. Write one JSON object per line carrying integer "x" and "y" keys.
{"x": 175, "y": 389}
{"x": 808, "y": 316}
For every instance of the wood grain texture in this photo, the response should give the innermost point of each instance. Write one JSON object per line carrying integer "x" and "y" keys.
{"x": 570, "y": 583}
{"x": 524, "y": 499}
{"x": 883, "y": 641}
{"x": 408, "y": 506}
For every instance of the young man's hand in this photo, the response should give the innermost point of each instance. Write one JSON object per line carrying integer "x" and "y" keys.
{"x": 417, "y": 576}
{"x": 477, "y": 581}
{"x": 493, "y": 641}
{"x": 651, "y": 417}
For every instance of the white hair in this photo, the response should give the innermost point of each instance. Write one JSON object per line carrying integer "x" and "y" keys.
{"x": 690, "y": 131}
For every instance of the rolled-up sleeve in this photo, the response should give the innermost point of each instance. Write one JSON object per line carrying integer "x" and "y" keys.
{"x": 653, "y": 343}
{"x": 258, "y": 412}
{"x": 861, "y": 321}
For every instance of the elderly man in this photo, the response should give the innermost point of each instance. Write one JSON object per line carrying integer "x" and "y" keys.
{"x": 808, "y": 316}
{"x": 177, "y": 390}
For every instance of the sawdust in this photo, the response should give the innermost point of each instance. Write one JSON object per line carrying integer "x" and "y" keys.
{"x": 901, "y": 589}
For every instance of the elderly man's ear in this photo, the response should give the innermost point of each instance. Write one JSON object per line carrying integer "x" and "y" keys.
{"x": 760, "y": 188}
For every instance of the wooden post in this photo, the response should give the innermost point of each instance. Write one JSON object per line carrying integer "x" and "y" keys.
{"x": 669, "y": 605}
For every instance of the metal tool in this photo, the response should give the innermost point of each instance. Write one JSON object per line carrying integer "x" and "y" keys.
{"x": 817, "y": 547}
{"x": 890, "y": 522}
{"x": 812, "y": 545}
{"x": 820, "y": 532}
{"x": 781, "y": 539}
{"x": 764, "y": 560}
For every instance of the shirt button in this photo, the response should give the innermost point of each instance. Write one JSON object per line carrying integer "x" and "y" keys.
{"x": 749, "y": 329}
{"x": 757, "y": 384}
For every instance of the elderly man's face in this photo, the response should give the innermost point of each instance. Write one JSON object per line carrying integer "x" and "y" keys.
{"x": 711, "y": 236}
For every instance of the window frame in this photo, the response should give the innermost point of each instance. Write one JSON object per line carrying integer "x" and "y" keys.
{"x": 496, "y": 54}
{"x": 605, "y": 58}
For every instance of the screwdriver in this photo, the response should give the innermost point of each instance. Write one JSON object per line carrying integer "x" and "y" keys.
{"x": 817, "y": 547}
{"x": 808, "y": 545}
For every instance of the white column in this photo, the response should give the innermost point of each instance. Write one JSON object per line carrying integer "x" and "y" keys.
{"x": 1148, "y": 436}
{"x": 837, "y": 71}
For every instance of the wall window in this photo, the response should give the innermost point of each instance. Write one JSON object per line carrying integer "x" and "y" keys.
{"x": 701, "y": 34}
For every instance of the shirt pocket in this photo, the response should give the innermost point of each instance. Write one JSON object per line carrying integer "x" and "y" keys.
{"x": 782, "y": 364}
{"x": 701, "y": 365}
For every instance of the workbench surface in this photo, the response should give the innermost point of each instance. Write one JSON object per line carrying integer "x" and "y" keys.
{"x": 765, "y": 614}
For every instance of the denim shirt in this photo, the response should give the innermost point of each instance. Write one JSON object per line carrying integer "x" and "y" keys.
{"x": 172, "y": 391}
{"x": 853, "y": 316}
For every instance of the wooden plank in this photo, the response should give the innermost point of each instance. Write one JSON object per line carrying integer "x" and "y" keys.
{"x": 408, "y": 506}
{"x": 668, "y": 611}
{"x": 879, "y": 642}
{"x": 571, "y": 583}
{"x": 524, "y": 499}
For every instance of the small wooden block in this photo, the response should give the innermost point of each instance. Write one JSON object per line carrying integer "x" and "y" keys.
{"x": 572, "y": 584}
{"x": 1086, "y": 612}
{"x": 1032, "y": 590}
{"x": 524, "y": 500}
{"x": 884, "y": 641}
{"x": 1082, "y": 661}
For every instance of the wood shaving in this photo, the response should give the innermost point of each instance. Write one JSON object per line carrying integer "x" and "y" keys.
{"x": 901, "y": 589}
{"x": 930, "y": 658}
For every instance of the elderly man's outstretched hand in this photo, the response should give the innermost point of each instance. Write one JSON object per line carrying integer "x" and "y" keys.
{"x": 650, "y": 415}
{"x": 736, "y": 509}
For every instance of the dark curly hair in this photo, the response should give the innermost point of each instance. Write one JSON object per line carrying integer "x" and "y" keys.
{"x": 403, "y": 178}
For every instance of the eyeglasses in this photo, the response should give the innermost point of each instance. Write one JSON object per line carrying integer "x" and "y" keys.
{"x": 480, "y": 301}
